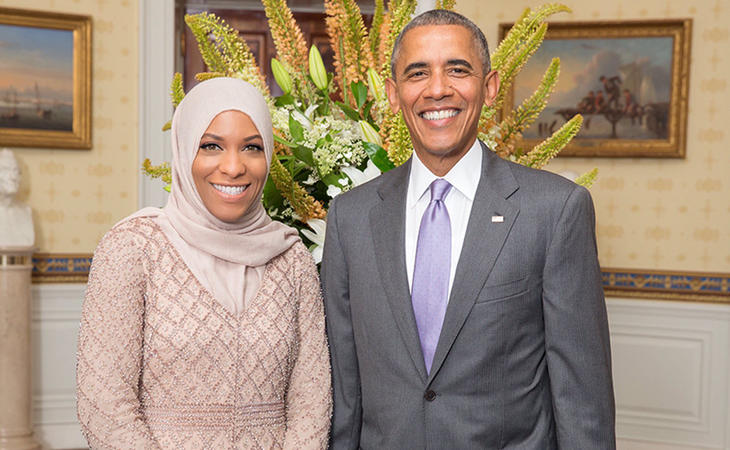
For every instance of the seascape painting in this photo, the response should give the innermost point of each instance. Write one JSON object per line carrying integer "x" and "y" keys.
{"x": 629, "y": 81}
{"x": 36, "y": 78}
{"x": 621, "y": 86}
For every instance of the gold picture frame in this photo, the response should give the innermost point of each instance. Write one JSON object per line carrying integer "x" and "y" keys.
{"x": 643, "y": 67}
{"x": 45, "y": 79}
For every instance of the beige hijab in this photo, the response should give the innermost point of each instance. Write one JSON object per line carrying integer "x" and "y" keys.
{"x": 227, "y": 258}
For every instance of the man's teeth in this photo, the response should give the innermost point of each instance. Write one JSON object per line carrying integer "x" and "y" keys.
{"x": 230, "y": 190}
{"x": 437, "y": 115}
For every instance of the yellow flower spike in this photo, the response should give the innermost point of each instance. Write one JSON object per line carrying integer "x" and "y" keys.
{"x": 375, "y": 83}
{"x": 369, "y": 134}
{"x": 316, "y": 69}
{"x": 281, "y": 76}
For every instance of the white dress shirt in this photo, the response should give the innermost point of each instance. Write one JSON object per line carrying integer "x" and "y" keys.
{"x": 464, "y": 178}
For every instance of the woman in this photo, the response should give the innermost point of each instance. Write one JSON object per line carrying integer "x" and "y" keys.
{"x": 203, "y": 324}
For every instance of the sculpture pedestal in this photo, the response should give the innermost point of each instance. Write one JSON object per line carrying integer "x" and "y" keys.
{"x": 16, "y": 427}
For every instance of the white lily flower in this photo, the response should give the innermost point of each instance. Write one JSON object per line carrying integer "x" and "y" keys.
{"x": 333, "y": 191}
{"x": 310, "y": 180}
{"x": 319, "y": 227}
{"x": 369, "y": 134}
{"x": 302, "y": 119}
{"x": 309, "y": 111}
{"x": 359, "y": 177}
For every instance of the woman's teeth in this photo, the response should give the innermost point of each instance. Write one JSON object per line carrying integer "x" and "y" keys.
{"x": 437, "y": 115}
{"x": 230, "y": 190}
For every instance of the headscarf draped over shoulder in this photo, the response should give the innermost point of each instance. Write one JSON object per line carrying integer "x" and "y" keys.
{"x": 255, "y": 238}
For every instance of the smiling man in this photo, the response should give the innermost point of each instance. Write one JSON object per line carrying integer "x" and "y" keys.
{"x": 463, "y": 292}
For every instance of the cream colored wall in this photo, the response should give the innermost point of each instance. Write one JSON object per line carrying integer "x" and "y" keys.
{"x": 77, "y": 195}
{"x": 663, "y": 214}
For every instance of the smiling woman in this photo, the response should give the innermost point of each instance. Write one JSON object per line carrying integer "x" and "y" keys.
{"x": 203, "y": 325}
{"x": 230, "y": 168}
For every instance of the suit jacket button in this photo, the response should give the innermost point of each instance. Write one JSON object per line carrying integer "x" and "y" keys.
{"x": 429, "y": 395}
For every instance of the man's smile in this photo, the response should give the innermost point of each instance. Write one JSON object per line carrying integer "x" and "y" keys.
{"x": 440, "y": 114}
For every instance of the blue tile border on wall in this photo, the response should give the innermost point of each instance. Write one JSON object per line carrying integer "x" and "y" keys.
{"x": 670, "y": 285}
{"x": 61, "y": 267}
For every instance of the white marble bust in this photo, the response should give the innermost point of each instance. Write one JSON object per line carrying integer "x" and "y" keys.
{"x": 16, "y": 220}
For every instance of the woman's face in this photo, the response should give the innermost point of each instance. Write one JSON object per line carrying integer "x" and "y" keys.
{"x": 229, "y": 169}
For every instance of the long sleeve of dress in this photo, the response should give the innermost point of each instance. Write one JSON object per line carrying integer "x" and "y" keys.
{"x": 309, "y": 397}
{"x": 110, "y": 347}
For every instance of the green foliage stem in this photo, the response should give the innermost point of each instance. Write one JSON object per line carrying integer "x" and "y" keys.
{"x": 400, "y": 16}
{"x": 547, "y": 149}
{"x": 376, "y": 25}
{"x": 517, "y": 60}
{"x": 587, "y": 179}
{"x": 176, "y": 89}
{"x": 224, "y": 51}
{"x": 531, "y": 108}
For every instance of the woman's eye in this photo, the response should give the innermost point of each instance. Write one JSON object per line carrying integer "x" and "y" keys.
{"x": 210, "y": 146}
{"x": 253, "y": 148}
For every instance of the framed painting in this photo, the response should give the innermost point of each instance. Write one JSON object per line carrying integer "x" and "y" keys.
{"x": 45, "y": 79}
{"x": 629, "y": 80}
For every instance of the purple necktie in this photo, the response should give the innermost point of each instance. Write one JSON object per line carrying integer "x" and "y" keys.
{"x": 430, "y": 291}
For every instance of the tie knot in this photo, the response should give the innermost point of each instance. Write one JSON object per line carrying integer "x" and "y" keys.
{"x": 439, "y": 189}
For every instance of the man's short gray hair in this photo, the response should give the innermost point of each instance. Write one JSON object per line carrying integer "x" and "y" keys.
{"x": 444, "y": 17}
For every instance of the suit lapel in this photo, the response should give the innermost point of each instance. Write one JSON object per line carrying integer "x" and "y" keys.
{"x": 387, "y": 221}
{"x": 482, "y": 245}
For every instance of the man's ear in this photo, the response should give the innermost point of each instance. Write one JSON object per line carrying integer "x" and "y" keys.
{"x": 392, "y": 91}
{"x": 491, "y": 84}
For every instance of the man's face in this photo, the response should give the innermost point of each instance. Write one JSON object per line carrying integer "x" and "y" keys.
{"x": 440, "y": 87}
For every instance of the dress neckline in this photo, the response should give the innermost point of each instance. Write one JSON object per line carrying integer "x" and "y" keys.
{"x": 215, "y": 303}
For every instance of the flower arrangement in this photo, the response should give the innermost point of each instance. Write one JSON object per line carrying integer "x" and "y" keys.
{"x": 336, "y": 131}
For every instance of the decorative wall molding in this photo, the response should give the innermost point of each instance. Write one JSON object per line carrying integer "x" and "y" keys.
{"x": 671, "y": 371}
{"x": 668, "y": 285}
{"x": 61, "y": 267}
{"x": 55, "y": 314}
{"x": 636, "y": 283}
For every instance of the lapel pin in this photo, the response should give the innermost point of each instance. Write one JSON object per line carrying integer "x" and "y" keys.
{"x": 497, "y": 219}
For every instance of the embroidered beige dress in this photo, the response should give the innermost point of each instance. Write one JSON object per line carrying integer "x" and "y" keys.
{"x": 162, "y": 364}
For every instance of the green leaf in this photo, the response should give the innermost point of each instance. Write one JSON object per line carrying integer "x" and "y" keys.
{"x": 366, "y": 115}
{"x": 349, "y": 112}
{"x": 296, "y": 129}
{"x": 303, "y": 154}
{"x": 378, "y": 156}
{"x": 286, "y": 99}
{"x": 284, "y": 141}
{"x": 333, "y": 179}
{"x": 272, "y": 197}
{"x": 359, "y": 93}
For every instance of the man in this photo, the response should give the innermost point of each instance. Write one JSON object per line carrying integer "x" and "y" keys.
{"x": 600, "y": 103}
{"x": 588, "y": 103}
{"x": 463, "y": 293}
{"x": 613, "y": 91}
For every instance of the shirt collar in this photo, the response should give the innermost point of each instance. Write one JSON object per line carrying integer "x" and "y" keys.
{"x": 464, "y": 176}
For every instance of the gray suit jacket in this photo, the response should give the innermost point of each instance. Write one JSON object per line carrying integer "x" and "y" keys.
{"x": 523, "y": 360}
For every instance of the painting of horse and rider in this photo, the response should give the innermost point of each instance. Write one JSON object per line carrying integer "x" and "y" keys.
{"x": 627, "y": 80}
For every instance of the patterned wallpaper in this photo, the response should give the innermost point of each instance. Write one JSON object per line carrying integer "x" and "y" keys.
{"x": 658, "y": 214}
{"x": 669, "y": 215}
{"x": 77, "y": 195}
